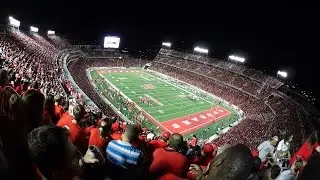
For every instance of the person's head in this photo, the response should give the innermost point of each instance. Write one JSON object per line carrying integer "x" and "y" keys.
{"x": 52, "y": 152}
{"x": 311, "y": 169}
{"x": 15, "y": 104}
{"x": 33, "y": 106}
{"x": 207, "y": 150}
{"x": 274, "y": 172}
{"x": 131, "y": 133}
{"x": 165, "y": 136}
{"x": 58, "y": 99}
{"x": 105, "y": 127}
{"x": 78, "y": 112}
{"x": 49, "y": 102}
{"x": 274, "y": 140}
{"x": 234, "y": 163}
{"x": 288, "y": 138}
{"x": 175, "y": 141}
{"x": 313, "y": 138}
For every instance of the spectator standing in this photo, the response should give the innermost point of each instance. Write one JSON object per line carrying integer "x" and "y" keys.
{"x": 267, "y": 148}
{"x": 169, "y": 160}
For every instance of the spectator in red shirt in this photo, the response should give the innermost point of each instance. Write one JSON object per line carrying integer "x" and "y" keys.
{"x": 58, "y": 106}
{"x": 160, "y": 142}
{"x": 169, "y": 160}
{"x": 100, "y": 136}
{"x": 76, "y": 133}
{"x": 208, "y": 152}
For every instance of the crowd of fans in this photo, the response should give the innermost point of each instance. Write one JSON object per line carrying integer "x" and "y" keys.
{"x": 47, "y": 133}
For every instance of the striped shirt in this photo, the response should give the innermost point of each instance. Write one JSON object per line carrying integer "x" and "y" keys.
{"x": 123, "y": 154}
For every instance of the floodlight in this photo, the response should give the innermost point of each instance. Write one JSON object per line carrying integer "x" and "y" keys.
{"x": 34, "y": 29}
{"x": 237, "y": 58}
{"x": 14, "y": 22}
{"x": 282, "y": 74}
{"x": 51, "y": 32}
{"x": 201, "y": 50}
{"x": 167, "y": 44}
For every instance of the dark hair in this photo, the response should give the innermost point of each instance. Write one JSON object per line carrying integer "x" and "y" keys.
{"x": 106, "y": 128}
{"x": 15, "y": 104}
{"x": 313, "y": 138}
{"x": 131, "y": 132}
{"x": 175, "y": 141}
{"x": 287, "y": 137}
{"x": 33, "y": 106}
{"x": 78, "y": 112}
{"x": 35, "y": 85}
{"x": 47, "y": 148}
{"x": 275, "y": 171}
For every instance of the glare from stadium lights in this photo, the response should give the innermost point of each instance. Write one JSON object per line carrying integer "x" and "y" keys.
{"x": 167, "y": 44}
{"x": 34, "y": 29}
{"x": 51, "y": 32}
{"x": 282, "y": 74}
{"x": 201, "y": 50}
{"x": 14, "y": 22}
{"x": 237, "y": 58}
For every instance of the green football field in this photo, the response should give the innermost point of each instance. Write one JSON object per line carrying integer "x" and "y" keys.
{"x": 171, "y": 107}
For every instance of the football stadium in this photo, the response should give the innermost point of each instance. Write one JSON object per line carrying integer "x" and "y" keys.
{"x": 180, "y": 115}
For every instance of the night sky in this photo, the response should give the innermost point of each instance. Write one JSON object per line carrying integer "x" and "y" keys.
{"x": 270, "y": 38}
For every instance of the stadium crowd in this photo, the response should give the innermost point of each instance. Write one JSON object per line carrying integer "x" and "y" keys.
{"x": 47, "y": 133}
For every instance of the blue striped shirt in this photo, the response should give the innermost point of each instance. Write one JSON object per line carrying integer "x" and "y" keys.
{"x": 123, "y": 154}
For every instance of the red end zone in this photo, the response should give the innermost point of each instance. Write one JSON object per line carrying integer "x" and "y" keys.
{"x": 192, "y": 122}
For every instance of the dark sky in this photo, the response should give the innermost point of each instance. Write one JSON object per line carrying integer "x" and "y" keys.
{"x": 270, "y": 36}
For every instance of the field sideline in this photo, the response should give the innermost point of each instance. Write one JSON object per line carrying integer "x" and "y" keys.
{"x": 172, "y": 109}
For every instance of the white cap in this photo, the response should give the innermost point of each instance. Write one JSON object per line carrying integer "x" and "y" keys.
{"x": 150, "y": 136}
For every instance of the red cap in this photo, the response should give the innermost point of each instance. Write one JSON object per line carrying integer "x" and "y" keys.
{"x": 165, "y": 134}
{"x": 208, "y": 149}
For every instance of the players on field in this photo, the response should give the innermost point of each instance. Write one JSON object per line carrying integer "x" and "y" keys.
{"x": 145, "y": 100}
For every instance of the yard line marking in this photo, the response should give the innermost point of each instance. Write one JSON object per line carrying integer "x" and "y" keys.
{"x": 145, "y": 78}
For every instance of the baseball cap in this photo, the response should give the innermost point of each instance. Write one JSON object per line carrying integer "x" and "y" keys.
{"x": 208, "y": 148}
{"x": 165, "y": 134}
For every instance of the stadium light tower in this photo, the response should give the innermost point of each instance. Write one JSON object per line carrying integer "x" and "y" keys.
{"x": 236, "y": 58}
{"x": 51, "y": 32}
{"x": 166, "y": 44}
{"x": 13, "y": 22}
{"x": 282, "y": 74}
{"x": 34, "y": 29}
{"x": 201, "y": 50}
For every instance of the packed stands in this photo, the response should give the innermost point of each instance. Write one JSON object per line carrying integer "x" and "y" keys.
{"x": 56, "y": 126}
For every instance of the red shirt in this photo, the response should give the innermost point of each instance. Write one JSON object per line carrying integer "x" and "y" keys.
{"x": 96, "y": 140}
{"x": 168, "y": 161}
{"x": 58, "y": 111}
{"x": 87, "y": 131}
{"x": 155, "y": 144}
{"x": 305, "y": 152}
{"x": 76, "y": 133}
